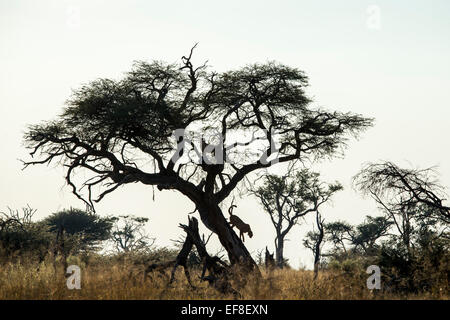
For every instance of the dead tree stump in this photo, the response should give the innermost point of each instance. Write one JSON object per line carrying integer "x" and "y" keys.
{"x": 180, "y": 260}
{"x": 269, "y": 260}
{"x": 218, "y": 270}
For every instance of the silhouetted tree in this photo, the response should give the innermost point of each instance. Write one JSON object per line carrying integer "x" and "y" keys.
{"x": 339, "y": 233}
{"x": 409, "y": 197}
{"x": 80, "y": 229}
{"x": 288, "y": 198}
{"x": 121, "y": 132}
{"x": 313, "y": 241}
{"x": 399, "y": 190}
{"x": 20, "y": 235}
{"x": 361, "y": 238}
{"x": 366, "y": 234}
{"x": 128, "y": 234}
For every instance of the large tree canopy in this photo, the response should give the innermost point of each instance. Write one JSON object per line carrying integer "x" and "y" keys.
{"x": 122, "y": 132}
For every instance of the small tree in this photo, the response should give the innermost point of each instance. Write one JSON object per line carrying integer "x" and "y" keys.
{"x": 366, "y": 234}
{"x": 361, "y": 238}
{"x": 20, "y": 235}
{"x": 313, "y": 241}
{"x": 128, "y": 234}
{"x": 83, "y": 231}
{"x": 287, "y": 199}
{"x": 339, "y": 233}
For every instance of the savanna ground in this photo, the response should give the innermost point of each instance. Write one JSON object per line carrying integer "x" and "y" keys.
{"x": 124, "y": 279}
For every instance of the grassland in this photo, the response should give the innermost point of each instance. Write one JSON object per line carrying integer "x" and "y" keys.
{"x": 125, "y": 280}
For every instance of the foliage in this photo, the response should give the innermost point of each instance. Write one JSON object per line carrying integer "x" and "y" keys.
{"x": 420, "y": 268}
{"x": 398, "y": 190}
{"x": 19, "y": 235}
{"x": 288, "y": 198}
{"x": 120, "y": 132}
{"x": 141, "y": 111}
{"x": 410, "y": 242}
{"x": 84, "y": 230}
{"x": 362, "y": 238}
{"x": 128, "y": 234}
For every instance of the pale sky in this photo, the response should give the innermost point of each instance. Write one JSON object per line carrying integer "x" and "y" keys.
{"x": 384, "y": 59}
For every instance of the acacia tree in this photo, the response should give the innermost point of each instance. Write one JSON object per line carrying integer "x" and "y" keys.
{"x": 361, "y": 238}
{"x": 411, "y": 198}
{"x": 86, "y": 230}
{"x": 313, "y": 241}
{"x": 288, "y": 198}
{"x": 121, "y": 132}
{"x": 366, "y": 234}
{"x": 398, "y": 190}
{"x": 128, "y": 234}
{"x": 339, "y": 233}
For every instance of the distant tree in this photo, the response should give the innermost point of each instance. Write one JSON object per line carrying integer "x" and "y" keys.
{"x": 128, "y": 234}
{"x": 410, "y": 198}
{"x": 366, "y": 234}
{"x": 339, "y": 233}
{"x": 313, "y": 241}
{"x": 398, "y": 190}
{"x": 82, "y": 230}
{"x": 121, "y": 132}
{"x": 360, "y": 238}
{"x": 286, "y": 199}
{"x": 20, "y": 235}
{"x": 16, "y": 217}
{"x": 259, "y": 257}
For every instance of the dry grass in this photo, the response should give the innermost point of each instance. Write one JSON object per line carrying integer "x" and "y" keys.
{"x": 123, "y": 280}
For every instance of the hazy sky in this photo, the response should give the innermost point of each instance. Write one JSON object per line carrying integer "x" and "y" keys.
{"x": 385, "y": 59}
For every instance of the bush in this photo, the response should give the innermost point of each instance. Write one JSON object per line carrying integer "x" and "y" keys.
{"x": 19, "y": 236}
{"x": 425, "y": 268}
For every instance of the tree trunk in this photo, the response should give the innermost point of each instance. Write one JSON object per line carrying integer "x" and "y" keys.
{"x": 279, "y": 251}
{"x": 213, "y": 218}
{"x": 318, "y": 243}
{"x": 317, "y": 255}
{"x": 218, "y": 271}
